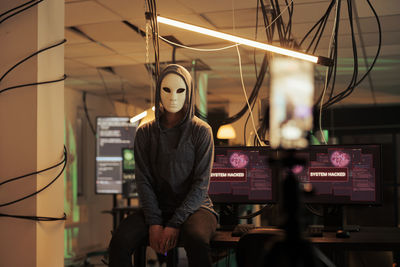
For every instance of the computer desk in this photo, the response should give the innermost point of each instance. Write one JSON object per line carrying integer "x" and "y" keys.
{"x": 368, "y": 238}
{"x": 335, "y": 249}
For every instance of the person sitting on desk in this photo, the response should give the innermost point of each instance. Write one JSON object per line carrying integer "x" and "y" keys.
{"x": 174, "y": 156}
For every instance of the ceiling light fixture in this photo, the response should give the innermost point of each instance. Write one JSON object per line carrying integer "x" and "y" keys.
{"x": 140, "y": 116}
{"x": 319, "y": 60}
{"x": 226, "y": 131}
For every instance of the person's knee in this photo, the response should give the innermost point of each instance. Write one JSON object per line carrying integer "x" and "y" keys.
{"x": 119, "y": 240}
{"x": 194, "y": 238}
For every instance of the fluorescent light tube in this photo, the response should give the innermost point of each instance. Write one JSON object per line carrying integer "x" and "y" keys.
{"x": 320, "y": 60}
{"x": 138, "y": 117}
{"x": 141, "y": 115}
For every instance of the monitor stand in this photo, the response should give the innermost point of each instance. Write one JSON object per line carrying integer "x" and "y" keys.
{"x": 335, "y": 220}
{"x": 228, "y": 216}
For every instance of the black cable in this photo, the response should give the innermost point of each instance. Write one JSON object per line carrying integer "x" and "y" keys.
{"x": 254, "y": 214}
{"x": 350, "y": 88}
{"x": 318, "y": 33}
{"x": 314, "y": 211}
{"x": 174, "y": 54}
{"x": 154, "y": 27}
{"x": 35, "y": 218}
{"x": 106, "y": 90}
{"x": 43, "y": 188}
{"x": 289, "y": 26}
{"x": 322, "y": 29}
{"x": 354, "y": 82}
{"x": 255, "y": 38}
{"x": 325, "y": 16}
{"x": 32, "y": 84}
{"x": 269, "y": 29}
{"x": 379, "y": 43}
{"x": 19, "y": 11}
{"x": 12, "y": 9}
{"x": 332, "y": 70}
{"x": 255, "y": 68}
{"x": 25, "y": 59}
{"x": 30, "y": 174}
{"x": 87, "y": 113}
{"x": 253, "y": 94}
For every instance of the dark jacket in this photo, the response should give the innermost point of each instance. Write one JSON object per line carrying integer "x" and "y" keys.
{"x": 173, "y": 166}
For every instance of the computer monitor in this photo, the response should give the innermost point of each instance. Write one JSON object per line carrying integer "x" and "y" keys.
{"x": 341, "y": 174}
{"x": 114, "y": 156}
{"x": 242, "y": 175}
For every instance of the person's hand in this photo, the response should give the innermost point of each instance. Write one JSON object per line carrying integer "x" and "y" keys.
{"x": 169, "y": 239}
{"x": 155, "y": 236}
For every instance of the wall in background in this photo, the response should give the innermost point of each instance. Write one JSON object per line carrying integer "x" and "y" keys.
{"x": 87, "y": 229}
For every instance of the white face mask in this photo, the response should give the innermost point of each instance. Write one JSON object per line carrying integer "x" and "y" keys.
{"x": 173, "y": 92}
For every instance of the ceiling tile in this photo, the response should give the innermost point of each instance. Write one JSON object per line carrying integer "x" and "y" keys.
{"x": 72, "y": 64}
{"x": 137, "y": 74}
{"x": 127, "y": 9}
{"x": 85, "y": 50}
{"x": 112, "y": 31}
{"x": 127, "y": 47}
{"x": 86, "y": 12}
{"x": 82, "y": 84}
{"x": 74, "y": 38}
{"x": 242, "y": 18}
{"x": 172, "y": 8}
{"x": 165, "y": 56}
{"x": 212, "y": 5}
{"x": 80, "y": 72}
{"x": 124, "y": 48}
{"x": 193, "y": 19}
{"x": 187, "y": 37}
{"x": 382, "y": 8}
{"x": 105, "y": 61}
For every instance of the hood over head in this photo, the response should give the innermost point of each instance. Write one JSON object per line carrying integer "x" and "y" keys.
{"x": 189, "y": 103}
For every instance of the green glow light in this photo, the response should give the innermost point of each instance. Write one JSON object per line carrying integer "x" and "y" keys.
{"x": 73, "y": 171}
{"x": 202, "y": 88}
{"x": 71, "y": 191}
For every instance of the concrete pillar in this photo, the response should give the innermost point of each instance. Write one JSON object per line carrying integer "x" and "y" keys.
{"x": 32, "y": 134}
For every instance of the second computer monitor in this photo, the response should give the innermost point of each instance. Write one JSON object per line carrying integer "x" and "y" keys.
{"x": 242, "y": 175}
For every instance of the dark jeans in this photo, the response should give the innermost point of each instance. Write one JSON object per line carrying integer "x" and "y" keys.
{"x": 195, "y": 234}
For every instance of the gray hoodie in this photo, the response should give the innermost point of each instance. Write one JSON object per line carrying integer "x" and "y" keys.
{"x": 173, "y": 166}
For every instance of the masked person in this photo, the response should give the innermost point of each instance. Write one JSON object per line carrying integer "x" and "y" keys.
{"x": 174, "y": 155}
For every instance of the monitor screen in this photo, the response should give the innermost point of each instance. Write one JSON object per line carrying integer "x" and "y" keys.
{"x": 114, "y": 155}
{"x": 128, "y": 160}
{"x": 242, "y": 175}
{"x": 341, "y": 174}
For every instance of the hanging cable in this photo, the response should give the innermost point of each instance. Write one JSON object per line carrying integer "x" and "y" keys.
{"x": 245, "y": 95}
{"x": 28, "y": 57}
{"x": 15, "y": 8}
{"x": 19, "y": 11}
{"x": 43, "y": 188}
{"x": 32, "y": 84}
{"x": 30, "y": 174}
{"x": 87, "y": 113}
{"x": 379, "y": 43}
{"x": 106, "y": 90}
{"x": 256, "y": 213}
{"x": 197, "y": 49}
{"x": 35, "y": 218}
{"x": 331, "y": 43}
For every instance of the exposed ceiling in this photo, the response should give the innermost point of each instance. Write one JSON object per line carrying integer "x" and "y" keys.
{"x": 104, "y": 55}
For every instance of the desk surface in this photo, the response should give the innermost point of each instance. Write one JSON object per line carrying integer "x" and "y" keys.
{"x": 368, "y": 238}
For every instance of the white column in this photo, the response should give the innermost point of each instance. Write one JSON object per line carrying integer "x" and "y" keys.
{"x": 32, "y": 134}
